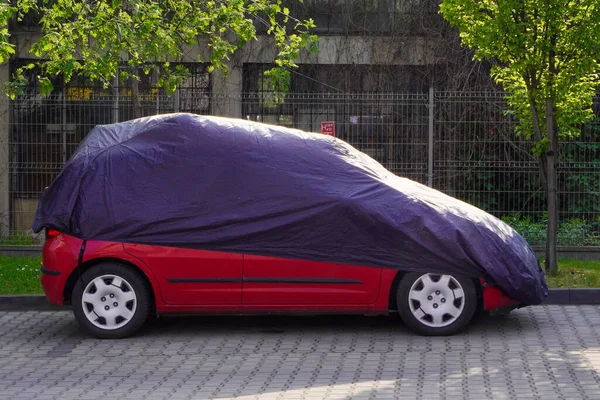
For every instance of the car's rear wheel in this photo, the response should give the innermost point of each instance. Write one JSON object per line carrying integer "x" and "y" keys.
{"x": 436, "y": 304}
{"x": 111, "y": 301}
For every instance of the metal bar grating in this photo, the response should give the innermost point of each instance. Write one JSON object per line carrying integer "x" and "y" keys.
{"x": 475, "y": 156}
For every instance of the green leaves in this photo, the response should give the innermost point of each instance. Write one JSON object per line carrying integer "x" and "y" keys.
{"x": 94, "y": 38}
{"x": 6, "y": 14}
{"x": 543, "y": 48}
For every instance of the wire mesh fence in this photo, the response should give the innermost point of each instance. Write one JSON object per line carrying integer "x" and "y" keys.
{"x": 461, "y": 143}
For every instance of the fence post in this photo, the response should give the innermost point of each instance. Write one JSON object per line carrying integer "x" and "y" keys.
{"x": 63, "y": 124}
{"x": 4, "y": 155}
{"x": 115, "y": 116}
{"x": 430, "y": 141}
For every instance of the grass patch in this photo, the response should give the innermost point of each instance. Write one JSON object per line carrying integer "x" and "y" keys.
{"x": 576, "y": 274}
{"x": 21, "y": 275}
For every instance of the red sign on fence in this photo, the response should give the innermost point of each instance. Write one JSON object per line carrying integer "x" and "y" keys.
{"x": 328, "y": 128}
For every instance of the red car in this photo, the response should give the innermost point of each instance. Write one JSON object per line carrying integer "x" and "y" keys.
{"x": 118, "y": 286}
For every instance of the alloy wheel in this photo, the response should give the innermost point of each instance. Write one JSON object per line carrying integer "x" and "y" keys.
{"x": 109, "y": 302}
{"x": 436, "y": 300}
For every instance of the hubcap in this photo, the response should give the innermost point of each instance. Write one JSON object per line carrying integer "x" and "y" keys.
{"x": 109, "y": 302}
{"x": 436, "y": 300}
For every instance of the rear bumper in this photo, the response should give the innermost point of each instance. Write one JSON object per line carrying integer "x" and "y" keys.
{"x": 52, "y": 285}
{"x": 58, "y": 261}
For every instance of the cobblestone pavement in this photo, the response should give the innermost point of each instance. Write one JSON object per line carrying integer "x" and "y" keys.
{"x": 543, "y": 352}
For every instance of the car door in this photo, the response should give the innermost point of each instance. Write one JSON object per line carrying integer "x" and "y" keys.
{"x": 281, "y": 281}
{"x": 193, "y": 277}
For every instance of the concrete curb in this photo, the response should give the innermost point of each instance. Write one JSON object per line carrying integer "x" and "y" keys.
{"x": 555, "y": 297}
{"x": 573, "y": 296}
{"x": 21, "y": 251}
{"x": 27, "y": 303}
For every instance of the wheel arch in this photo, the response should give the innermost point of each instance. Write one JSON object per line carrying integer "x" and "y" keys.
{"x": 77, "y": 272}
{"x": 392, "y": 301}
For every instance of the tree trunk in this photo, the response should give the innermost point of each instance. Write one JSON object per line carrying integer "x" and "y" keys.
{"x": 551, "y": 265}
{"x": 537, "y": 134}
{"x": 133, "y": 70}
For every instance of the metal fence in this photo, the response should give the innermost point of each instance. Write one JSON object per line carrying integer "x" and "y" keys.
{"x": 461, "y": 143}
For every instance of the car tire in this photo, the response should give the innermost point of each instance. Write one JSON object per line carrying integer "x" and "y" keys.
{"x": 111, "y": 301}
{"x": 436, "y": 304}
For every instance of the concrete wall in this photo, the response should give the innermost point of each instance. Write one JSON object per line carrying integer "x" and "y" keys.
{"x": 226, "y": 90}
{"x": 333, "y": 50}
{"x": 366, "y": 50}
{"x": 578, "y": 253}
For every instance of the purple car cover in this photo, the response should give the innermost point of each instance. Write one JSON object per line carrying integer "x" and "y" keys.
{"x": 232, "y": 185}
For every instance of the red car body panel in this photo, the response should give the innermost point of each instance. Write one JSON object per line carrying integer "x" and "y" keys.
{"x": 199, "y": 281}
{"x": 191, "y": 277}
{"x": 60, "y": 256}
{"x": 269, "y": 280}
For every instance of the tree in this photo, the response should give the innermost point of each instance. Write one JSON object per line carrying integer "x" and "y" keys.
{"x": 546, "y": 55}
{"x": 96, "y": 38}
{"x": 6, "y": 49}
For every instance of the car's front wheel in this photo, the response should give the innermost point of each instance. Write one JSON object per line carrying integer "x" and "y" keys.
{"x": 436, "y": 304}
{"x": 111, "y": 301}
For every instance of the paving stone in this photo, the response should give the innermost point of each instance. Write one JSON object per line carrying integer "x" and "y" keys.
{"x": 536, "y": 352}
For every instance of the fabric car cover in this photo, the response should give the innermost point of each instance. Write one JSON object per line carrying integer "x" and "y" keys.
{"x": 232, "y": 185}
